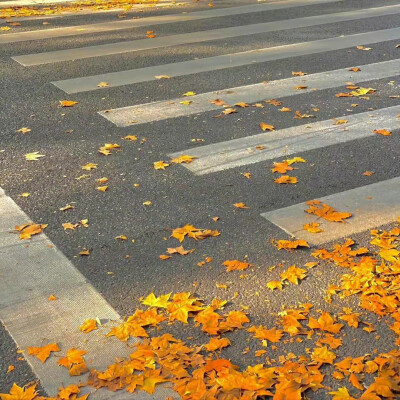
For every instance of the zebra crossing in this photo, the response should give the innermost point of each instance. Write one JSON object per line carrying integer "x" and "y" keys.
{"x": 237, "y": 152}
{"x": 372, "y": 205}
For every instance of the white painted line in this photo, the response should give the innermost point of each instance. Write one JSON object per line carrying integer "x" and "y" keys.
{"x": 153, "y": 21}
{"x": 372, "y": 206}
{"x": 238, "y": 152}
{"x": 32, "y": 270}
{"x": 201, "y": 36}
{"x": 160, "y": 110}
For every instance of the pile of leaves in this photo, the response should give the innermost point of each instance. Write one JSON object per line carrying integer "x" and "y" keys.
{"x": 199, "y": 371}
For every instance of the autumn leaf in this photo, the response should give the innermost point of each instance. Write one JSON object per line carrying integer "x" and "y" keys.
{"x": 217, "y": 344}
{"x": 240, "y": 206}
{"x": 242, "y": 105}
{"x": 187, "y": 94}
{"x": 342, "y": 394}
{"x": 368, "y": 173}
{"x": 284, "y": 179}
{"x": 33, "y": 156}
{"x": 181, "y": 305}
{"x": 151, "y": 379}
{"x": 362, "y": 91}
{"x": 218, "y": 102}
{"x": 293, "y": 160}
{"x": 281, "y": 167}
{"x": 28, "y": 230}
{"x": 229, "y": 110}
{"x": 247, "y": 175}
{"x": 102, "y": 188}
{"x": 323, "y": 355}
{"x": 150, "y": 34}
{"x": 194, "y": 233}
{"x": 186, "y": 102}
{"x": 298, "y": 73}
{"x": 10, "y": 369}
{"x": 383, "y": 132}
{"x": 161, "y": 302}
{"x": 179, "y": 250}
{"x": 313, "y": 227}
{"x": 301, "y": 87}
{"x": 274, "y": 102}
{"x": 299, "y": 115}
{"x": 289, "y": 244}
{"x": 183, "y": 159}
{"x": 103, "y": 84}
{"x": 326, "y": 212}
{"x": 24, "y": 130}
{"x": 340, "y": 121}
{"x": 266, "y": 127}
{"x": 162, "y": 77}
{"x": 236, "y": 265}
{"x": 160, "y": 165}
{"x": 132, "y": 138}
{"x": 285, "y": 109}
{"x": 20, "y": 393}
{"x": 271, "y": 335}
{"x": 88, "y": 325}
{"x": 74, "y": 362}
{"x": 52, "y": 298}
{"x": 89, "y": 166}
{"x": 43, "y": 353}
{"x": 355, "y": 69}
{"x": 272, "y": 285}
{"x": 293, "y": 274}
{"x": 67, "y": 103}
{"x": 325, "y": 323}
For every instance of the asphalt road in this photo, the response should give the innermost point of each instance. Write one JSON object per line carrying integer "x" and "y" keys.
{"x": 70, "y": 137}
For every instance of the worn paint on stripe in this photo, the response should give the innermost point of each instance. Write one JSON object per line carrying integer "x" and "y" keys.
{"x": 32, "y": 270}
{"x": 372, "y": 206}
{"x": 201, "y": 36}
{"x": 238, "y": 152}
{"x": 160, "y": 110}
{"x": 153, "y": 21}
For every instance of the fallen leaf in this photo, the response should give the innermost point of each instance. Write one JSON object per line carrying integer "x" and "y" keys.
{"x": 218, "y": 102}
{"x": 326, "y": 212}
{"x": 301, "y": 87}
{"x": 179, "y": 250}
{"x": 160, "y": 165}
{"x": 282, "y": 167}
{"x": 33, "y": 156}
{"x": 298, "y": 73}
{"x": 133, "y": 138}
{"x": 286, "y": 179}
{"x": 285, "y": 109}
{"x": 246, "y": 175}
{"x": 52, "y": 298}
{"x": 88, "y": 325}
{"x": 26, "y": 231}
{"x": 368, "y": 173}
{"x": 183, "y": 159}
{"x": 383, "y": 132}
{"x": 10, "y": 368}
{"x": 67, "y": 103}
{"x": 340, "y": 121}
{"x": 162, "y": 77}
{"x": 229, "y": 110}
{"x": 103, "y": 84}
{"x": 236, "y": 265}
{"x": 289, "y": 244}
{"x": 102, "y": 188}
{"x": 89, "y": 166}
{"x": 355, "y": 69}
{"x": 43, "y": 353}
{"x": 240, "y": 205}
{"x": 313, "y": 227}
{"x": 189, "y": 94}
{"x": 186, "y": 102}
{"x": 217, "y": 344}
{"x": 364, "y": 48}
{"x": 24, "y": 130}
{"x": 266, "y": 127}
{"x": 16, "y": 392}
{"x": 242, "y": 105}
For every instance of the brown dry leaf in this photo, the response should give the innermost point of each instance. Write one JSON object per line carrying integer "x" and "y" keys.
{"x": 28, "y": 230}
{"x": 164, "y": 257}
{"x": 88, "y": 325}
{"x": 160, "y": 165}
{"x": 236, "y": 265}
{"x": 242, "y": 105}
{"x": 340, "y": 121}
{"x": 274, "y": 102}
{"x": 183, "y": 159}
{"x": 383, "y": 132}
{"x": 286, "y": 179}
{"x": 67, "y": 103}
{"x": 266, "y": 127}
{"x": 285, "y": 109}
{"x": 240, "y": 205}
{"x": 289, "y": 244}
{"x": 326, "y": 212}
{"x": 343, "y": 95}
{"x": 179, "y": 250}
{"x": 301, "y": 87}
{"x": 218, "y": 102}
{"x": 313, "y": 227}
{"x": 43, "y": 353}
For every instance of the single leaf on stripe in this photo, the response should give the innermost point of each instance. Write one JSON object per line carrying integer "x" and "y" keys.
{"x": 43, "y": 353}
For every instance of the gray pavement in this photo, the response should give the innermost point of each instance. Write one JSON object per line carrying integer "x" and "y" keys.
{"x": 70, "y": 138}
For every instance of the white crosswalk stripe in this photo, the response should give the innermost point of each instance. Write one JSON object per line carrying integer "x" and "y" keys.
{"x": 156, "y": 111}
{"x": 372, "y": 206}
{"x": 154, "y": 21}
{"x": 243, "y": 151}
{"x": 202, "y": 36}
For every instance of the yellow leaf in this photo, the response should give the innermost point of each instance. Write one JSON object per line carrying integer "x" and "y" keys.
{"x": 103, "y": 84}
{"x": 290, "y": 244}
{"x": 266, "y": 127}
{"x": 88, "y": 326}
{"x": 291, "y": 161}
{"x": 147, "y": 203}
{"x": 43, "y": 353}
{"x": 102, "y": 188}
{"x": 20, "y": 393}
{"x": 298, "y": 73}
{"x": 240, "y": 205}
{"x": 10, "y": 368}
{"x": 160, "y": 165}
{"x": 24, "y": 130}
{"x": 323, "y": 355}
{"x": 286, "y": 179}
{"x": 187, "y": 94}
{"x": 33, "y": 156}
{"x": 89, "y": 166}
{"x": 130, "y": 137}
{"x": 383, "y": 132}
{"x": 313, "y": 227}
{"x": 362, "y": 91}
{"x": 52, "y": 298}
{"x": 183, "y": 159}
{"x": 236, "y": 265}
{"x": 275, "y": 285}
{"x": 152, "y": 301}
{"x": 67, "y": 103}
{"x": 186, "y": 102}
{"x": 217, "y": 344}
{"x": 247, "y": 175}
{"x": 162, "y": 77}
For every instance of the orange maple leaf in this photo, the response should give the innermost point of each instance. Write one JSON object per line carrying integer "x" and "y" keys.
{"x": 236, "y": 265}
{"x": 325, "y": 323}
{"x": 289, "y": 244}
{"x": 43, "y": 353}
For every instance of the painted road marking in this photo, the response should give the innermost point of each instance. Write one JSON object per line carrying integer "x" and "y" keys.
{"x": 157, "y": 20}
{"x": 31, "y": 271}
{"x": 372, "y": 206}
{"x": 238, "y": 152}
{"x": 201, "y": 36}
{"x": 160, "y": 110}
